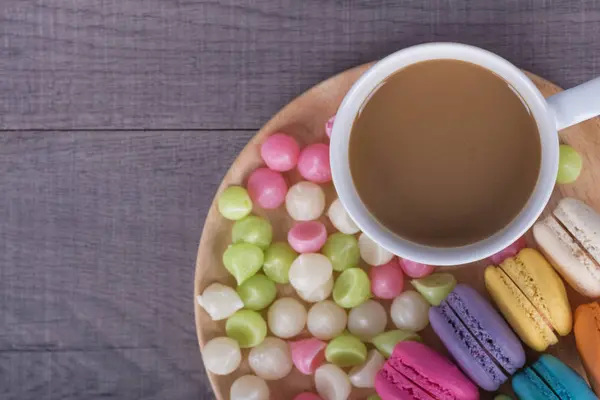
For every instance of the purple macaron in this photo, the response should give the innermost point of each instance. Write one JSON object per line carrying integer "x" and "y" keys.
{"x": 478, "y": 338}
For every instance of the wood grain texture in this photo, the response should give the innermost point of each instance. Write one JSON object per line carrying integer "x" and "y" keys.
{"x": 98, "y": 237}
{"x": 304, "y": 118}
{"x": 226, "y": 64}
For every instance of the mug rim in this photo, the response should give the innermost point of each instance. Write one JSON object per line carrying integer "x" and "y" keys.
{"x": 441, "y": 256}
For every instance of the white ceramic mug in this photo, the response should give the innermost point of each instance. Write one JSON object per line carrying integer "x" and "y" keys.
{"x": 557, "y": 112}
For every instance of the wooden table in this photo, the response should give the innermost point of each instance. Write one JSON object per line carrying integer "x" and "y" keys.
{"x": 120, "y": 117}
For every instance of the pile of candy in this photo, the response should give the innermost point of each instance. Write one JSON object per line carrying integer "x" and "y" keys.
{"x": 347, "y": 332}
{"x": 341, "y": 341}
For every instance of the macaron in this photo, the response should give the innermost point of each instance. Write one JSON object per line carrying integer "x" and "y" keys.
{"x": 415, "y": 371}
{"x": 480, "y": 341}
{"x": 587, "y": 338}
{"x": 550, "y": 379}
{"x": 532, "y": 298}
{"x": 570, "y": 239}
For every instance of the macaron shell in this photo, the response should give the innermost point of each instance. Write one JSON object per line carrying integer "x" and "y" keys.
{"x": 465, "y": 349}
{"x": 392, "y": 385}
{"x": 587, "y": 338}
{"x": 563, "y": 381}
{"x": 542, "y": 286}
{"x": 567, "y": 257}
{"x": 518, "y": 310}
{"x": 432, "y": 372}
{"x": 484, "y": 322}
{"x": 529, "y": 386}
{"x": 583, "y": 222}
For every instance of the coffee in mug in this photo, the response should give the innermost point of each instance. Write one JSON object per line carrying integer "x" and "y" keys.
{"x": 444, "y": 153}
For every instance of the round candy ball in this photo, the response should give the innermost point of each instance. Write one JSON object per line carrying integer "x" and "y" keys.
{"x": 569, "y": 164}
{"x": 307, "y": 237}
{"x": 371, "y": 252}
{"x": 367, "y": 320}
{"x": 309, "y": 271}
{"x": 305, "y": 201}
{"x": 286, "y": 317}
{"x": 271, "y": 360}
{"x": 313, "y": 163}
{"x": 221, "y": 355}
{"x": 332, "y": 382}
{"x": 326, "y": 320}
{"x": 249, "y": 387}
{"x": 280, "y": 152}
{"x": 415, "y": 269}
{"x": 387, "y": 280}
{"x": 340, "y": 218}
{"x": 267, "y": 188}
{"x": 410, "y": 311}
{"x": 319, "y": 294}
{"x": 234, "y": 203}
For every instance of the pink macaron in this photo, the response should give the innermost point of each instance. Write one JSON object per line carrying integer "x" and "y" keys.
{"x": 313, "y": 163}
{"x": 307, "y": 237}
{"x": 415, "y": 371}
{"x": 280, "y": 152}
{"x": 267, "y": 188}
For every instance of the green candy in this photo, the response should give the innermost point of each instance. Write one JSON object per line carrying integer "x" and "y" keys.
{"x": 502, "y": 397}
{"x": 346, "y": 351}
{"x": 243, "y": 260}
{"x": 385, "y": 342}
{"x": 569, "y": 164}
{"x": 257, "y": 292}
{"x": 342, "y": 250}
{"x": 435, "y": 287}
{"x": 352, "y": 288}
{"x": 247, "y": 327}
{"x": 234, "y": 203}
{"x": 373, "y": 397}
{"x": 254, "y": 230}
{"x": 278, "y": 260}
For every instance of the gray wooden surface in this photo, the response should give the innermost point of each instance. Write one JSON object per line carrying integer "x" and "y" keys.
{"x": 119, "y": 118}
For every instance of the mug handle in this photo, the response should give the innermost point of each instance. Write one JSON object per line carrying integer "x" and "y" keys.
{"x": 576, "y": 105}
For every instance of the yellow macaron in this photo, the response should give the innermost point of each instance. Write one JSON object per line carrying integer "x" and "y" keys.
{"x": 532, "y": 298}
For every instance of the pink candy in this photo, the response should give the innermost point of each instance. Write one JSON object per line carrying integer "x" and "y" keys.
{"x": 415, "y": 269}
{"x": 280, "y": 152}
{"x": 313, "y": 163}
{"x": 308, "y": 354}
{"x": 510, "y": 251}
{"x": 329, "y": 126}
{"x": 307, "y": 396}
{"x": 267, "y": 188}
{"x": 307, "y": 237}
{"x": 387, "y": 280}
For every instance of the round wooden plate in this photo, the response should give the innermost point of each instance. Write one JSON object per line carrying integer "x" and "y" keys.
{"x": 305, "y": 118}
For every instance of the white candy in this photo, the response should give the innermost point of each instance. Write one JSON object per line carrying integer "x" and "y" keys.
{"x": 332, "y": 382}
{"x": 286, "y": 317}
{"x": 326, "y": 320}
{"x": 371, "y": 252}
{"x": 220, "y": 301}
{"x": 319, "y": 294}
{"x": 410, "y": 311}
{"x": 271, "y": 359}
{"x": 340, "y": 218}
{"x": 221, "y": 355}
{"x": 367, "y": 320}
{"x": 249, "y": 387}
{"x": 305, "y": 201}
{"x": 363, "y": 376}
{"x": 309, "y": 271}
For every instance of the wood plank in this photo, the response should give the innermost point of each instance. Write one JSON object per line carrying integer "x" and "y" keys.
{"x": 98, "y": 239}
{"x": 226, "y": 64}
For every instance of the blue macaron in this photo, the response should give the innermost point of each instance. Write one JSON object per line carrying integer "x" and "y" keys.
{"x": 550, "y": 379}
